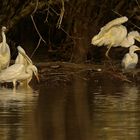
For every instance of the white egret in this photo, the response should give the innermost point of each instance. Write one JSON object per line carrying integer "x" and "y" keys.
{"x": 19, "y": 72}
{"x": 4, "y": 51}
{"x": 114, "y": 34}
{"x": 23, "y": 58}
{"x": 130, "y": 59}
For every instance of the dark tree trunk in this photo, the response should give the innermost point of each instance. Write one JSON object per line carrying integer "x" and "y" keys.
{"x": 86, "y": 16}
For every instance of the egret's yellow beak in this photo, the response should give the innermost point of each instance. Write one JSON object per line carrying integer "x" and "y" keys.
{"x": 138, "y": 49}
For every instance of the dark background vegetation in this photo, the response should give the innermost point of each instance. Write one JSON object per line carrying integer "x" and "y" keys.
{"x": 64, "y": 27}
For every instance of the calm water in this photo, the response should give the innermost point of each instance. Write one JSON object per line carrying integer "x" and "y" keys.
{"x": 78, "y": 110}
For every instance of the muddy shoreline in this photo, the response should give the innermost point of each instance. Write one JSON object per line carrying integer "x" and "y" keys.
{"x": 64, "y": 71}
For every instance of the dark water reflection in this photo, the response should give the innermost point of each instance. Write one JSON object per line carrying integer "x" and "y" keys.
{"x": 80, "y": 110}
{"x": 16, "y": 114}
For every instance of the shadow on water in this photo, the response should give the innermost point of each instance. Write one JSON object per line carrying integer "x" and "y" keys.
{"x": 79, "y": 110}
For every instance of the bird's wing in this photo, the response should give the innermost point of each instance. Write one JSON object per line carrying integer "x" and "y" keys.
{"x": 12, "y": 72}
{"x": 129, "y": 62}
{"x": 23, "y": 53}
{"x": 115, "y": 22}
{"x": 22, "y": 57}
{"x": 21, "y": 60}
{"x": 125, "y": 60}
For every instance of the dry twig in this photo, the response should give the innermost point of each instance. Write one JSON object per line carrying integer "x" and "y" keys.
{"x": 128, "y": 20}
{"x": 61, "y": 15}
{"x": 119, "y": 76}
{"x": 40, "y": 37}
{"x": 138, "y": 3}
{"x": 39, "y": 41}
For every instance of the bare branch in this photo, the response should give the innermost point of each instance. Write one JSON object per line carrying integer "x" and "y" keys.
{"x": 36, "y": 6}
{"x": 38, "y": 44}
{"x": 25, "y": 11}
{"x": 61, "y": 15}
{"x": 72, "y": 37}
{"x": 138, "y": 4}
{"x": 40, "y": 37}
{"x": 37, "y": 29}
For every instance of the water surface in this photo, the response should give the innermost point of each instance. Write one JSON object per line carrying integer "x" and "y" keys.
{"x": 78, "y": 110}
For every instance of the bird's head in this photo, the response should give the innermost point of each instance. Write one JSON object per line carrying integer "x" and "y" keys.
{"x": 138, "y": 38}
{"x": 3, "y": 28}
{"x": 35, "y": 71}
{"x": 20, "y": 49}
{"x": 135, "y": 35}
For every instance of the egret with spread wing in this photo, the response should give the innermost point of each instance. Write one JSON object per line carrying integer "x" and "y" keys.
{"x": 130, "y": 59}
{"x": 19, "y": 72}
{"x": 4, "y": 51}
{"x": 114, "y": 34}
{"x": 20, "y": 59}
{"x": 23, "y": 58}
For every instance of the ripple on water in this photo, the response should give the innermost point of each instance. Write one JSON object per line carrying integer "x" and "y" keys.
{"x": 16, "y": 113}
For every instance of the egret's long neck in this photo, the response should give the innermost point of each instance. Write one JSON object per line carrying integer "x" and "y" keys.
{"x": 18, "y": 59}
{"x": 128, "y": 41}
{"x": 131, "y": 52}
{"x": 3, "y": 37}
{"x": 3, "y": 47}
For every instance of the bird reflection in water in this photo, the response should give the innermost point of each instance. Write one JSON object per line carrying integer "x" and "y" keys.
{"x": 16, "y": 113}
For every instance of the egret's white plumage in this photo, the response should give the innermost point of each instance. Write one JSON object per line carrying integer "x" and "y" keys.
{"x": 27, "y": 76}
{"x": 114, "y": 34}
{"x": 21, "y": 71}
{"x": 130, "y": 59}
{"x": 4, "y": 51}
{"x": 22, "y": 59}
{"x": 18, "y": 72}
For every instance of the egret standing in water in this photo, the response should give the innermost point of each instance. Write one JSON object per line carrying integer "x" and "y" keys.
{"x": 19, "y": 72}
{"x": 4, "y": 51}
{"x": 130, "y": 59}
{"x": 114, "y": 34}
